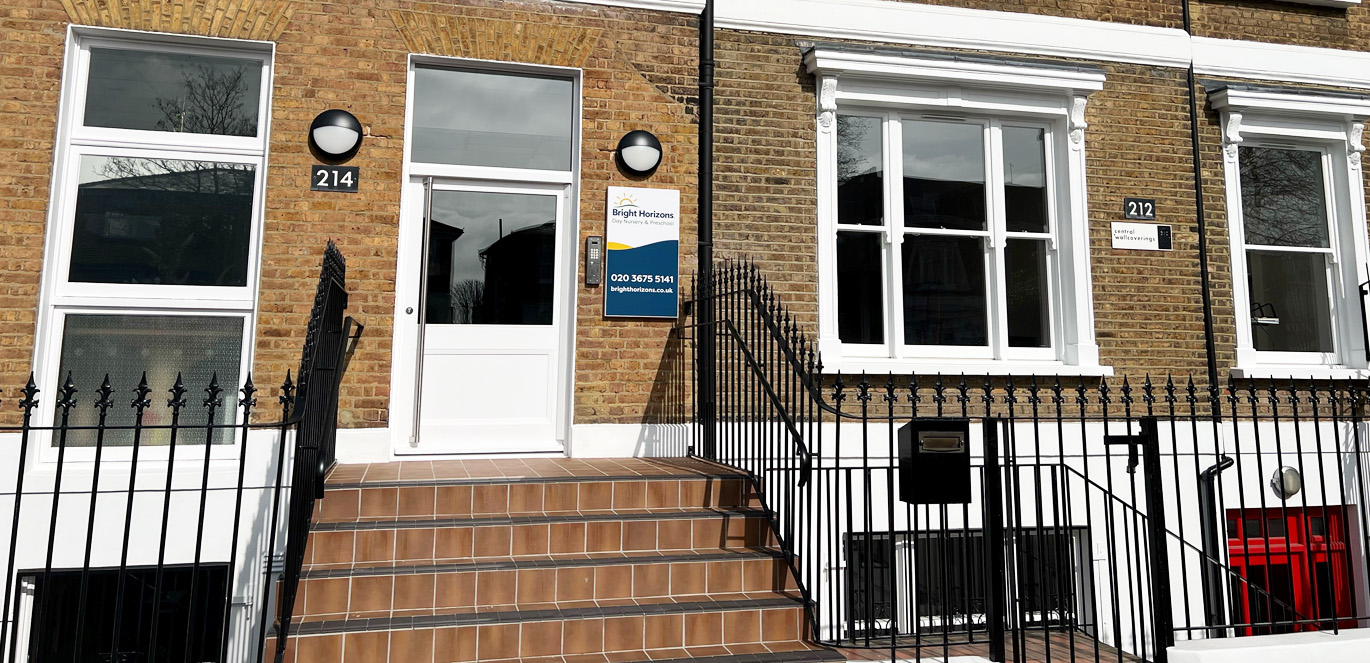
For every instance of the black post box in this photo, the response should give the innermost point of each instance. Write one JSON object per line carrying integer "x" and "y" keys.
{"x": 934, "y": 461}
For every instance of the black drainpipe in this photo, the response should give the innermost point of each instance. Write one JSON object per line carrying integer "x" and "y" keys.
{"x": 705, "y": 231}
{"x": 1210, "y": 346}
{"x": 1214, "y": 602}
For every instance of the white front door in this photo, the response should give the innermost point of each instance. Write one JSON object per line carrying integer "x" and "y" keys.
{"x": 483, "y": 268}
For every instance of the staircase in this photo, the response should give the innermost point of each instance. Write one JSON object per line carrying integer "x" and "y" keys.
{"x": 556, "y": 560}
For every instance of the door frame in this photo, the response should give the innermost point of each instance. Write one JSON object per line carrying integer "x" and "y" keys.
{"x": 404, "y": 342}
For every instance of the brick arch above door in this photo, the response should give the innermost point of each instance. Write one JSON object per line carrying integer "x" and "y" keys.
{"x": 495, "y": 39}
{"x": 236, "y": 19}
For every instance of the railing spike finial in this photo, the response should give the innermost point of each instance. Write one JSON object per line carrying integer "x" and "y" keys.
{"x": 1148, "y": 390}
{"x": 1191, "y": 392}
{"x": 1232, "y": 396}
{"x": 249, "y": 392}
{"x": 939, "y": 394}
{"x": 963, "y": 390}
{"x": 141, "y": 393}
{"x": 213, "y": 391}
{"x": 1056, "y": 391}
{"x": 913, "y": 390}
{"x": 838, "y": 388}
{"x": 103, "y": 394}
{"x": 1034, "y": 398}
{"x": 988, "y": 395}
{"x": 66, "y": 396}
{"x": 1127, "y": 392}
{"x": 30, "y": 395}
{"x": 178, "y": 394}
{"x": 1105, "y": 391}
{"x": 1081, "y": 397}
{"x": 1251, "y": 396}
{"x": 1313, "y": 397}
{"x": 863, "y": 389}
{"x": 1010, "y": 395}
{"x": 1273, "y": 396}
{"x": 889, "y": 389}
{"x": 1170, "y": 388}
{"x": 287, "y": 389}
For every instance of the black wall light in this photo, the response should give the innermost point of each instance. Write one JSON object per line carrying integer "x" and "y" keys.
{"x": 639, "y": 152}
{"x": 335, "y": 135}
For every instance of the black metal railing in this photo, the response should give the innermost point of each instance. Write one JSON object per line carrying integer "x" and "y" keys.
{"x": 143, "y": 526}
{"x": 1101, "y": 519}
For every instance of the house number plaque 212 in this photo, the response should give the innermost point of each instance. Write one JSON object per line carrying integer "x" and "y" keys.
{"x": 334, "y": 178}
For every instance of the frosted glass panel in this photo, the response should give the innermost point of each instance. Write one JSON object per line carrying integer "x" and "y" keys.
{"x": 126, "y": 346}
{"x": 474, "y": 118}
{"x": 176, "y": 92}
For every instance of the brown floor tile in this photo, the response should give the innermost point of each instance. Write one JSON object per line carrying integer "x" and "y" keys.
{"x": 576, "y": 584}
{"x": 413, "y": 646}
{"x": 379, "y": 502}
{"x": 663, "y": 631}
{"x": 319, "y": 648}
{"x": 651, "y": 580}
{"x": 454, "y": 645}
{"x": 497, "y": 641}
{"x": 540, "y": 639}
{"x": 703, "y": 629}
{"x": 455, "y": 590}
{"x": 630, "y": 494}
{"x": 687, "y": 578}
{"x": 663, "y": 494}
{"x": 526, "y": 498}
{"x": 492, "y": 541}
{"x": 604, "y": 536}
{"x": 761, "y": 575}
{"x": 667, "y": 654}
{"x": 741, "y": 626}
{"x": 780, "y": 624}
{"x": 454, "y": 543}
{"x": 331, "y": 547}
{"x": 639, "y": 535}
{"x": 417, "y": 501}
{"x": 537, "y": 586}
{"x": 452, "y": 501}
{"x": 596, "y": 496}
{"x": 339, "y": 506}
{"x": 371, "y": 594}
{"x": 324, "y": 596}
{"x": 490, "y": 500}
{"x": 496, "y": 587}
{"x": 566, "y": 538}
{"x": 583, "y": 636}
{"x": 414, "y": 591}
{"x": 529, "y": 540}
{"x": 694, "y": 493}
{"x": 623, "y": 634}
{"x": 749, "y": 648}
{"x": 725, "y": 576}
{"x": 707, "y": 533}
{"x": 375, "y": 546}
{"x": 414, "y": 544}
{"x": 674, "y": 535}
{"x": 612, "y": 582}
{"x": 366, "y": 647}
{"x": 561, "y": 497}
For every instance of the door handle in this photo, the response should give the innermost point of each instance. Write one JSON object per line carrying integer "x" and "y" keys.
{"x": 409, "y": 310}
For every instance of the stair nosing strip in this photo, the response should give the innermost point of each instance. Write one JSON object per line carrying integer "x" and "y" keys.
{"x": 520, "y": 616}
{"x": 495, "y": 481}
{"x": 596, "y": 516}
{"x": 539, "y": 563}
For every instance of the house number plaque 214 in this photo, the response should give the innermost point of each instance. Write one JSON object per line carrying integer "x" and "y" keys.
{"x": 334, "y": 178}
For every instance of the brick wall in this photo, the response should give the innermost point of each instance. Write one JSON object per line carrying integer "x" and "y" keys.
{"x": 639, "y": 72}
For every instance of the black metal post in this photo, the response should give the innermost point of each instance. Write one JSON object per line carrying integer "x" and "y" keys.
{"x": 708, "y": 415}
{"x": 1163, "y": 628}
{"x": 994, "y": 534}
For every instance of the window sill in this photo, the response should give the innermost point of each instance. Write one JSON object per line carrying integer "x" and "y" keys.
{"x": 1299, "y": 373}
{"x": 876, "y": 366}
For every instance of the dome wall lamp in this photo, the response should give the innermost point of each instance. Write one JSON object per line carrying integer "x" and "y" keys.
{"x": 335, "y": 135}
{"x": 639, "y": 152}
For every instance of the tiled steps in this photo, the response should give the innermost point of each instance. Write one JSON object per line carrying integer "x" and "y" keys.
{"x": 657, "y": 562}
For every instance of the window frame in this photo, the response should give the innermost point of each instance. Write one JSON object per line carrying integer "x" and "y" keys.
{"x": 996, "y": 94}
{"x": 61, "y": 297}
{"x": 1331, "y": 125}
